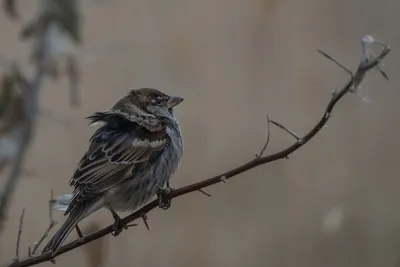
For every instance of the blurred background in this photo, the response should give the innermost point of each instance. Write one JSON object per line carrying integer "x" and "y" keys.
{"x": 333, "y": 203}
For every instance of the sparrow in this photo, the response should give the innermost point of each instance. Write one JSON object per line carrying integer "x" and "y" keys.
{"x": 130, "y": 158}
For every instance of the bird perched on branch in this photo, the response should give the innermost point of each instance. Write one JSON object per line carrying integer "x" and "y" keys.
{"x": 132, "y": 156}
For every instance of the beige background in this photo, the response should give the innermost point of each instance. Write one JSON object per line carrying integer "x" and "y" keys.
{"x": 234, "y": 61}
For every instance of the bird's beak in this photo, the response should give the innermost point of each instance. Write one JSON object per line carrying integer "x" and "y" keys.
{"x": 174, "y": 101}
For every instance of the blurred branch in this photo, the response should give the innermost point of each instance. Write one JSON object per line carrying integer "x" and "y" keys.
{"x": 54, "y": 20}
{"x": 10, "y": 9}
{"x": 59, "y": 23}
{"x": 25, "y": 129}
{"x": 366, "y": 64}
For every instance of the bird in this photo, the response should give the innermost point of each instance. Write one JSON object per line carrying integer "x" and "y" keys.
{"x": 130, "y": 159}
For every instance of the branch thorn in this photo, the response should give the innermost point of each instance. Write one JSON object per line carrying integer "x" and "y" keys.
{"x": 78, "y": 231}
{"x": 204, "y": 192}
{"x": 145, "y": 219}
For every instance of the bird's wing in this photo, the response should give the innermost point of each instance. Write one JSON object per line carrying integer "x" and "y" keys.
{"x": 112, "y": 155}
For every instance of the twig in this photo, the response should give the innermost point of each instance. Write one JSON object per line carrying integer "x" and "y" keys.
{"x": 336, "y": 62}
{"x": 262, "y": 151}
{"x": 218, "y": 178}
{"x": 21, "y": 223}
{"x": 52, "y": 223}
{"x": 298, "y": 138}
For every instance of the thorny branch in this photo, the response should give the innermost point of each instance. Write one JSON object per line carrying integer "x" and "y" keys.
{"x": 366, "y": 64}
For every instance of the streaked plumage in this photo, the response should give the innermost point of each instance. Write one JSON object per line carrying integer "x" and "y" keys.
{"x": 134, "y": 153}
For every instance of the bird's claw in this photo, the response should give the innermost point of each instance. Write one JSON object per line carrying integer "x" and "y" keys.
{"x": 163, "y": 201}
{"x": 118, "y": 228}
{"x": 117, "y": 225}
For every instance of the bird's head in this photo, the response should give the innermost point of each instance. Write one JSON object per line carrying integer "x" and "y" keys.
{"x": 150, "y": 101}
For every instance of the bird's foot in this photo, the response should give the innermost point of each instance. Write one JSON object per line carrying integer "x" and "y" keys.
{"x": 118, "y": 226}
{"x": 164, "y": 202}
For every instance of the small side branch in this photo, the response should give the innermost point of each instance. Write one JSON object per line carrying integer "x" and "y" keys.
{"x": 21, "y": 223}
{"x": 52, "y": 223}
{"x": 296, "y": 136}
{"x": 343, "y": 67}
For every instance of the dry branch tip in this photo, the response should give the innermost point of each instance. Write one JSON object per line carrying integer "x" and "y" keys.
{"x": 21, "y": 223}
{"x": 337, "y": 62}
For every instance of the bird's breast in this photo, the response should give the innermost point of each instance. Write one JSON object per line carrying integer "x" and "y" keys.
{"x": 145, "y": 181}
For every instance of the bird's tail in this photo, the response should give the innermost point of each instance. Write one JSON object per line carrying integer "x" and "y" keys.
{"x": 59, "y": 237}
{"x": 62, "y": 202}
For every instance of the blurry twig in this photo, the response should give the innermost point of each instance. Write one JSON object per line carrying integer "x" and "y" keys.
{"x": 365, "y": 65}
{"x": 74, "y": 80}
{"x": 10, "y": 9}
{"x": 51, "y": 225}
{"x": 59, "y": 21}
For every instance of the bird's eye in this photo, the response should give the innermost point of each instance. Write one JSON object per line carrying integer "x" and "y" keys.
{"x": 158, "y": 102}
